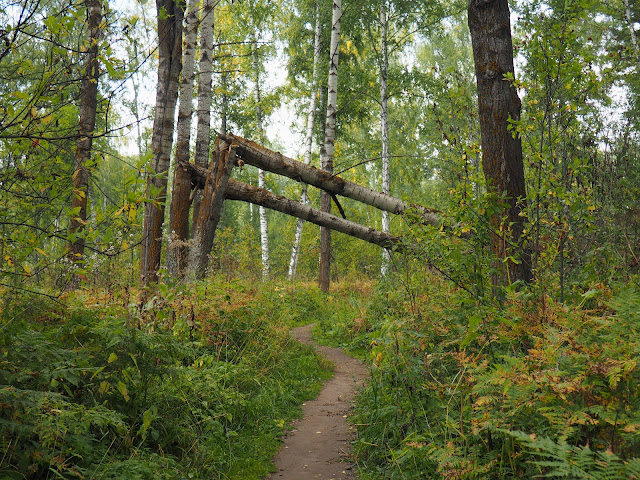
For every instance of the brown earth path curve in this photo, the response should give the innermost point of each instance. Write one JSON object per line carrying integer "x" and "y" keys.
{"x": 319, "y": 444}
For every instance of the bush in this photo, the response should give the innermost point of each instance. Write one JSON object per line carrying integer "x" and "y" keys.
{"x": 170, "y": 388}
{"x": 454, "y": 381}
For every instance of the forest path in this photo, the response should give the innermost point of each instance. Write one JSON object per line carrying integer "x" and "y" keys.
{"x": 319, "y": 444}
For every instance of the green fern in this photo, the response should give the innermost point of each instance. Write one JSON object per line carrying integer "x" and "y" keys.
{"x": 561, "y": 460}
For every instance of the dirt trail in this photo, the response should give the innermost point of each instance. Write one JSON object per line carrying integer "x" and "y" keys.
{"x": 318, "y": 445}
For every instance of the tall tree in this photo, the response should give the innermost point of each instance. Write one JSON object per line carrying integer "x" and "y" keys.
{"x": 327, "y": 151}
{"x": 203, "y": 133}
{"x": 384, "y": 125}
{"x": 630, "y": 25}
{"x": 87, "y": 123}
{"x": 180, "y": 201}
{"x": 262, "y": 212}
{"x": 170, "y": 18}
{"x": 498, "y": 107}
{"x": 295, "y": 250}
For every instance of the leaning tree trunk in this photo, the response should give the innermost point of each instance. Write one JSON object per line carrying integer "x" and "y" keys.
{"x": 326, "y": 160}
{"x": 234, "y": 190}
{"x": 86, "y": 124}
{"x": 295, "y": 250}
{"x": 384, "y": 127}
{"x": 180, "y": 195}
{"x": 170, "y": 15}
{"x": 258, "y": 196}
{"x": 499, "y": 106}
{"x": 253, "y": 154}
{"x": 203, "y": 133}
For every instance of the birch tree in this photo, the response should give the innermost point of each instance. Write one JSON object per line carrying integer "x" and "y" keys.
{"x": 205, "y": 75}
{"x": 384, "y": 125}
{"x": 170, "y": 18}
{"x": 262, "y": 211}
{"x": 327, "y": 151}
{"x": 295, "y": 250}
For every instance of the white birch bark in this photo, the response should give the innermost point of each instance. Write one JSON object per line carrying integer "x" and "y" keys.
{"x": 634, "y": 39}
{"x": 203, "y": 132}
{"x": 178, "y": 221}
{"x": 247, "y": 193}
{"x": 253, "y": 154}
{"x": 262, "y": 212}
{"x": 329, "y": 141}
{"x": 295, "y": 250}
{"x": 384, "y": 127}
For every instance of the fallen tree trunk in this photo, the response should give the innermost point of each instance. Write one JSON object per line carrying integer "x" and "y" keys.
{"x": 253, "y": 154}
{"x": 258, "y": 196}
{"x": 247, "y": 193}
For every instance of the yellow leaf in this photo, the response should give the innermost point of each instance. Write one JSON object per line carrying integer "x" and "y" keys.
{"x": 132, "y": 213}
{"x": 122, "y": 388}
{"x": 104, "y": 386}
{"x": 9, "y": 260}
{"x": 27, "y": 269}
{"x": 41, "y": 252}
{"x": 46, "y": 119}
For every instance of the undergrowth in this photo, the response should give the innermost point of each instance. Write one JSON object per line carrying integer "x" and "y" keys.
{"x": 190, "y": 383}
{"x": 465, "y": 389}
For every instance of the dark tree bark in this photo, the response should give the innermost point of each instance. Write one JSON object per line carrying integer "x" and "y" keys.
{"x": 498, "y": 105}
{"x": 213, "y": 195}
{"x": 180, "y": 195}
{"x": 86, "y": 124}
{"x": 170, "y": 16}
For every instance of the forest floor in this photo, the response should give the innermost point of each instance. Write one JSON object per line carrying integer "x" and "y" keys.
{"x": 318, "y": 445}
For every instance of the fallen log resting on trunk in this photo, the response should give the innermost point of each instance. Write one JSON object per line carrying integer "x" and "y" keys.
{"x": 258, "y": 196}
{"x": 253, "y": 154}
{"x": 247, "y": 193}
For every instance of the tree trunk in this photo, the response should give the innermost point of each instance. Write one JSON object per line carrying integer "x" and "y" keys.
{"x": 295, "y": 250}
{"x": 258, "y": 196}
{"x": 180, "y": 198}
{"x": 256, "y": 155}
{"x": 215, "y": 185}
{"x": 632, "y": 31}
{"x": 384, "y": 127}
{"x": 498, "y": 106}
{"x": 326, "y": 161}
{"x": 262, "y": 212}
{"x": 203, "y": 134}
{"x": 170, "y": 16}
{"x": 86, "y": 124}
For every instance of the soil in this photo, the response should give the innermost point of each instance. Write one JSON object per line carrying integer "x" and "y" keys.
{"x": 319, "y": 444}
